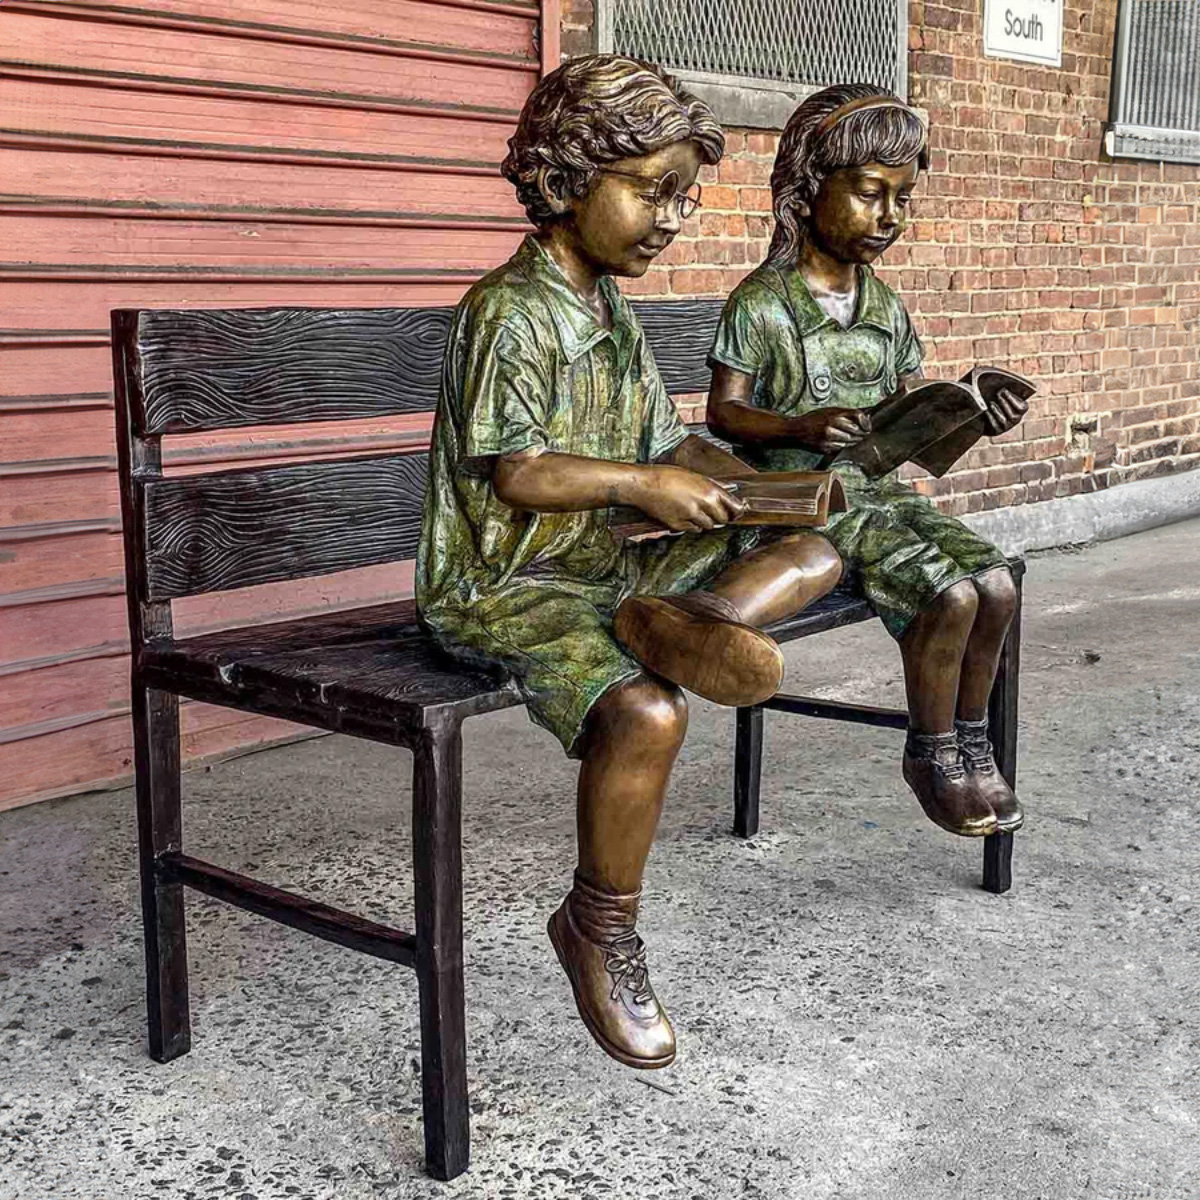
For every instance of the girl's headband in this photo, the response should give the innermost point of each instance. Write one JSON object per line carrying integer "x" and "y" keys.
{"x": 851, "y": 106}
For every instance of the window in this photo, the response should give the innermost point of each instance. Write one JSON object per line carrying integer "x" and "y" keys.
{"x": 761, "y": 56}
{"x": 1156, "y": 81}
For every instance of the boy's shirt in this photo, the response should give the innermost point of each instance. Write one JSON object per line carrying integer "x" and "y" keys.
{"x": 802, "y": 359}
{"x": 528, "y": 367}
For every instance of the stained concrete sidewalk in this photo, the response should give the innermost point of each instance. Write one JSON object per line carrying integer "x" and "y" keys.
{"x": 857, "y": 1020}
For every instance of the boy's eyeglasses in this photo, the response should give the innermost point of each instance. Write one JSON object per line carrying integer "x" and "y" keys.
{"x": 665, "y": 190}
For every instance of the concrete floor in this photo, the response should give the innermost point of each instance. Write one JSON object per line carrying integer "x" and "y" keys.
{"x": 856, "y": 1019}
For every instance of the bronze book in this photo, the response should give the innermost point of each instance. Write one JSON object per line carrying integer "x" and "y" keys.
{"x": 803, "y": 499}
{"x": 933, "y": 424}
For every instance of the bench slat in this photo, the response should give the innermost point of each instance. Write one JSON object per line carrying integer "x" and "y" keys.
{"x": 680, "y": 333}
{"x": 237, "y": 367}
{"x": 233, "y": 529}
{"x": 224, "y": 369}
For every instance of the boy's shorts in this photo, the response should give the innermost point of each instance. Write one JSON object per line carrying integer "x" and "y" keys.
{"x": 900, "y": 552}
{"x": 553, "y": 633}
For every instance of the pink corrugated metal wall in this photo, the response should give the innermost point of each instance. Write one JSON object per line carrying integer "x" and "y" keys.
{"x": 235, "y": 152}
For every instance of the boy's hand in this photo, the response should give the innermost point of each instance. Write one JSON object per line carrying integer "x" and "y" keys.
{"x": 1005, "y": 412}
{"x": 828, "y": 430}
{"x": 684, "y": 501}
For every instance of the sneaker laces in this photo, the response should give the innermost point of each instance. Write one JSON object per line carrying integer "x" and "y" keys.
{"x": 625, "y": 961}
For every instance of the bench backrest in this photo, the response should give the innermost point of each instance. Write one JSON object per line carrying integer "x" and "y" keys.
{"x": 187, "y": 371}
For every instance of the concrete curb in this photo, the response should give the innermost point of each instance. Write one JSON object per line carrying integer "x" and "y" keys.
{"x": 1127, "y": 508}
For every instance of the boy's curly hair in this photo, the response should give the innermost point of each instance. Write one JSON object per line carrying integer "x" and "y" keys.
{"x": 597, "y": 110}
{"x": 891, "y": 135}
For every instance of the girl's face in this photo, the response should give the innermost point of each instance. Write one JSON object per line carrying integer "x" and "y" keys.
{"x": 860, "y": 211}
{"x": 617, "y": 229}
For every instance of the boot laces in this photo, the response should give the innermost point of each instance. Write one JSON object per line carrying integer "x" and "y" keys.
{"x": 625, "y": 961}
{"x": 950, "y": 765}
{"x": 976, "y": 751}
{"x": 940, "y": 749}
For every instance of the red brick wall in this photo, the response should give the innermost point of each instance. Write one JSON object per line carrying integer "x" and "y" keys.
{"x": 1026, "y": 250}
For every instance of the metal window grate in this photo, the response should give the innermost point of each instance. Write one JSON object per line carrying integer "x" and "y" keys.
{"x": 803, "y": 44}
{"x": 1156, "y": 81}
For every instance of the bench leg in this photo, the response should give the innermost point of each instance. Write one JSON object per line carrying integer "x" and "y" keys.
{"x": 437, "y": 870}
{"x": 1002, "y": 729}
{"x": 160, "y": 831}
{"x": 747, "y": 770}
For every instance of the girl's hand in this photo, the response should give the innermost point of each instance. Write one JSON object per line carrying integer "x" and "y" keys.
{"x": 828, "y": 430}
{"x": 684, "y": 501}
{"x": 1005, "y": 412}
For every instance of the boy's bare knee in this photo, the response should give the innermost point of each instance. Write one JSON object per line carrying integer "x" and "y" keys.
{"x": 661, "y": 712}
{"x": 651, "y": 711}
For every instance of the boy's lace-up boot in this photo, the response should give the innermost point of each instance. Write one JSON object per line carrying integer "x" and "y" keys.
{"x": 934, "y": 770}
{"x": 699, "y": 641}
{"x": 985, "y": 777}
{"x": 595, "y": 937}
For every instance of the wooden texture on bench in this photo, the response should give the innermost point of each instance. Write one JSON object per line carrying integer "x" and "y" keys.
{"x": 232, "y": 529}
{"x": 235, "y": 367}
{"x": 366, "y": 670}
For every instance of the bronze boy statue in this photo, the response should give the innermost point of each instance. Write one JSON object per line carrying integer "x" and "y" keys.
{"x": 551, "y": 411}
{"x": 809, "y": 340}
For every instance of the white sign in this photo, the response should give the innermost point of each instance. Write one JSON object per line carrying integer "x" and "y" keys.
{"x": 1030, "y": 30}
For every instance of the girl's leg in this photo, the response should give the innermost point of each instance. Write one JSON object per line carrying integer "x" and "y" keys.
{"x": 933, "y": 648}
{"x": 631, "y": 739}
{"x": 997, "y": 604}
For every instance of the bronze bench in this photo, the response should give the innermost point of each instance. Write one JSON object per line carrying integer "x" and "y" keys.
{"x": 370, "y": 672}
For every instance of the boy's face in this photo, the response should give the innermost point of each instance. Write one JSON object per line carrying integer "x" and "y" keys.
{"x": 860, "y": 211}
{"x": 617, "y": 228}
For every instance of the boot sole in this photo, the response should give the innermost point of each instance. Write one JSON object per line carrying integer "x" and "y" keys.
{"x": 643, "y": 1064}
{"x": 731, "y": 664}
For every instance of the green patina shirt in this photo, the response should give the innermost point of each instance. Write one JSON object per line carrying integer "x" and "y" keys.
{"x": 802, "y": 359}
{"x": 528, "y": 367}
{"x": 898, "y": 550}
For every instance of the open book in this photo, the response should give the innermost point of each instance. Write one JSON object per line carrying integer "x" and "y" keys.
{"x": 797, "y": 498}
{"x": 933, "y": 424}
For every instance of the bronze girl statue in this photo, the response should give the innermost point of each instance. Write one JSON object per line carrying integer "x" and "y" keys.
{"x": 809, "y": 341}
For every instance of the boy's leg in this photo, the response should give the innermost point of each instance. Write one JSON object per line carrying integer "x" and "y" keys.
{"x": 627, "y": 729}
{"x": 632, "y": 737}
{"x": 779, "y": 579}
{"x": 708, "y": 640}
{"x": 630, "y": 742}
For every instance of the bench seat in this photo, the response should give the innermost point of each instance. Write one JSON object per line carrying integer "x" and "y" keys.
{"x": 373, "y": 672}
{"x": 370, "y": 671}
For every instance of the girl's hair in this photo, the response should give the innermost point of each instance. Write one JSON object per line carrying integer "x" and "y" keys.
{"x": 808, "y": 152}
{"x": 597, "y": 110}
